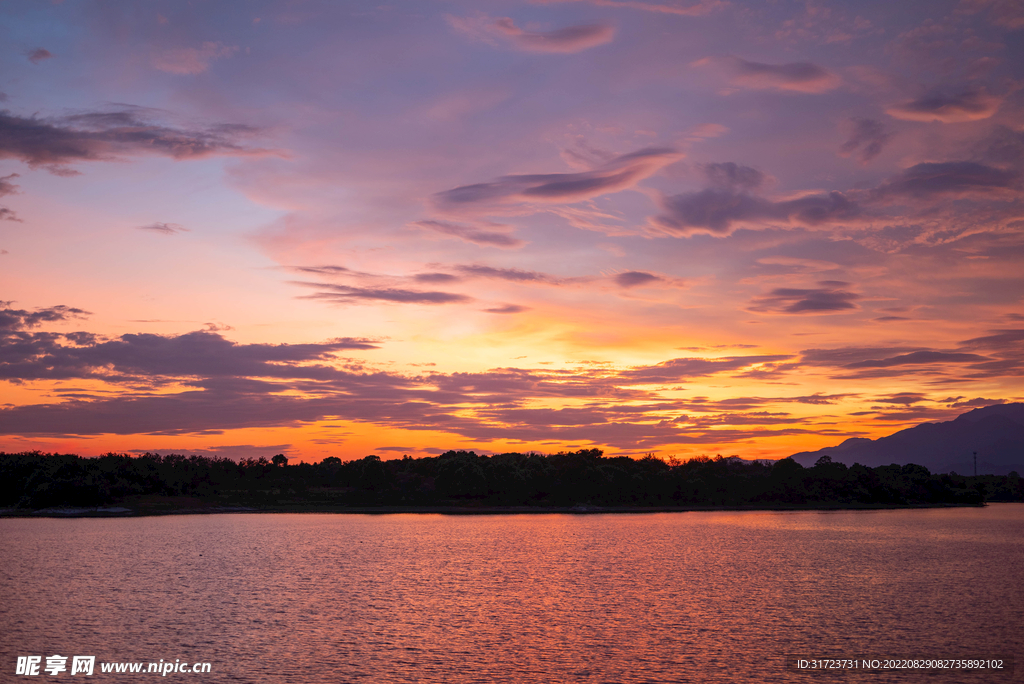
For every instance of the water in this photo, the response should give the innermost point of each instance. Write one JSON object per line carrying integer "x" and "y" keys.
{"x": 704, "y": 597}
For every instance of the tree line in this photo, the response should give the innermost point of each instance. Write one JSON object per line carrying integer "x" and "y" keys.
{"x": 34, "y": 480}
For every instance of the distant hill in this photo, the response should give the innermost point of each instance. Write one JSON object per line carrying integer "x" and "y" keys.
{"x": 995, "y": 432}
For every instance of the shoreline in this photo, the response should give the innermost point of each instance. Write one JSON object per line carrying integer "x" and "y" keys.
{"x": 145, "y": 512}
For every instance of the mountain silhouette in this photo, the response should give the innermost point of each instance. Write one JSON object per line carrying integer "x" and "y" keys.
{"x": 995, "y": 432}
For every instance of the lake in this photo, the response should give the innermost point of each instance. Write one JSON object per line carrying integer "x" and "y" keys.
{"x": 665, "y": 597}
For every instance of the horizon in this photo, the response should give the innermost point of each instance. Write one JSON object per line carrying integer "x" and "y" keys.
{"x": 679, "y": 228}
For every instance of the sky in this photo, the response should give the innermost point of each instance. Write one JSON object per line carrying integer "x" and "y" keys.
{"x": 679, "y": 227}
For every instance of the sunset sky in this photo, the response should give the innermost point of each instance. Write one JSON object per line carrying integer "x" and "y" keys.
{"x": 339, "y": 228}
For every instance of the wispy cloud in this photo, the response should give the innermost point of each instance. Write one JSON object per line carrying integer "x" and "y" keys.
{"x": 867, "y": 138}
{"x": 8, "y": 188}
{"x": 107, "y": 135}
{"x": 516, "y": 275}
{"x": 798, "y": 77}
{"x": 682, "y": 9}
{"x": 621, "y": 173}
{"x": 191, "y": 60}
{"x": 966, "y": 105}
{"x": 507, "y": 309}
{"x": 346, "y": 294}
{"x": 164, "y": 228}
{"x": 718, "y": 212}
{"x": 38, "y": 55}
{"x": 473, "y": 234}
{"x": 631, "y": 279}
{"x": 828, "y": 297}
{"x": 566, "y": 40}
{"x": 22, "y": 319}
{"x": 948, "y": 178}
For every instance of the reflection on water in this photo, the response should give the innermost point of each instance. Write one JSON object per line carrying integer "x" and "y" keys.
{"x": 591, "y": 598}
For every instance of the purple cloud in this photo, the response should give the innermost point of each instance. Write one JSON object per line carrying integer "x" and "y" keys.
{"x": 636, "y": 279}
{"x": 717, "y": 211}
{"x": 511, "y": 274}
{"x": 104, "y": 136}
{"x": 825, "y": 299}
{"x": 730, "y": 175}
{"x": 345, "y": 294}
{"x": 191, "y": 60}
{"x": 21, "y": 319}
{"x": 800, "y": 77}
{"x": 507, "y": 309}
{"x": 867, "y": 137}
{"x": 487, "y": 238}
{"x": 8, "y": 188}
{"x": 917, "y": 358}
{"x": 164, "y": 228}
{"x": 570, "y": 39}
{"x": 678, "y": 8}
{"x": 620, "y": 173}
{"x": 967, "y": 105}
{"x": 959, "y": 177}
{"x": 38, "y": 55}
{"x": 567, "y": 40}
{"x": 680, "y": 369}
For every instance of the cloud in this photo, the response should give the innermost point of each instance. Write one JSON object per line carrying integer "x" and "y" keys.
{"x": 145, "y": 356}
{"x": 436, "y": 278}
{"x": 619, "y": 174}
{"x": 800, "y": 77}
{"x": 999, "y": 340}
{"x": 8, "y": 188}
{"x": 918, "y": 358}
{"x": 884, "y": 362}
{"x": 21, "y": 319}
{"x": 103, "y": 136}
{"x": 681, "y": 9}
{"x": 680, "y": 369}
{"x": 486, "y": 238}
{"x": 507, "y": 309}
{"x": 570, "y": 39}
{"x": 345, "y": 294}
{"x": 967, "y": 105}
{"x": 512, "y": 274}
{"x": 38, "y": 55}
{"x": 1003, "y": 146}
{"x": 1006, "y": 13}
{"x": 732, "y": 176}
{"x": 846, "y": 355}
{"x": 867, "y": 136}
{"x": 716, "y": 211}
{"x": 977, "y": 402}
{"x": 904, "y": 398}
{"x": 944, "y": 178}
{"x": 825, "y": 299}
{"x": 567, "y": 40}
{"x": 330, "y": 270}
{"x": 636, "y": 278}
{"x": 191, "y": 60}
{"x": 234, "y": 386}
{"x": 165, "y": 228}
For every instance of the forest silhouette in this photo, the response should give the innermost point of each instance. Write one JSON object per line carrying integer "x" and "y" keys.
{"x": 578, "y": 480}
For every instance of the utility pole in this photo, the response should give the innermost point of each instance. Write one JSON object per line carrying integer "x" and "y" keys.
{"x": 975, "y": 464}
